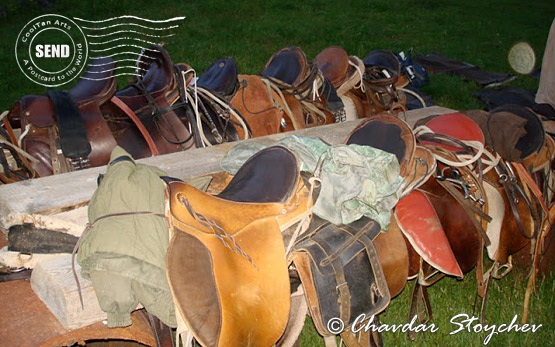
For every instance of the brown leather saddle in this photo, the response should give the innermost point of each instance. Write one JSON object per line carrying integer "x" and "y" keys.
{"x": 345, "y": 74}
{"x": 65, "y": 130}
{"x": 291, "y": 72}
{"x": 142, "y": 115}
{"x": 226, "y": 262}
{"x": 382, "y": 77}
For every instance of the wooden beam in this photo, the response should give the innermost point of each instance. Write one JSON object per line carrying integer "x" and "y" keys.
{"x": 56, "y": 194}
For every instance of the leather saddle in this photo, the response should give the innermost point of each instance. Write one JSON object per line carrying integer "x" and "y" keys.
{"x": 290, "y": 70}
{"x": 65, "y": 130}
{"x": 206, "y": 102}
{"x": 220, "y": 77}
{"x": 393, "y": 135}
{"x": 382, "y": 77}
{"x": 345, "y": 74}
{"x": 226, "y": 263}
{"x": 414, "y": 213}
{"x": 142, "y": 115}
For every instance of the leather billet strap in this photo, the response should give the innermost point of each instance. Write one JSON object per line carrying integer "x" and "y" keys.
{"x": 129, "y": 112}
{"x": 73, "y": 134}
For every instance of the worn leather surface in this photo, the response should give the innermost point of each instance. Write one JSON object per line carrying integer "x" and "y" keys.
{"x": 226, "y": 261}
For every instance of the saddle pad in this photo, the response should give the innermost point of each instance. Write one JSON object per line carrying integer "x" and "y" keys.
{"x": 420, "y": 224}
{"x": 341, "y": 273}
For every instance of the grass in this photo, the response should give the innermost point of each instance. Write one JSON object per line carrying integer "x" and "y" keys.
{"x": 475, "y": 31}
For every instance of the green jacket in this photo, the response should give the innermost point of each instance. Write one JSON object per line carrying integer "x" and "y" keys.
{"x": 123, "y": 251}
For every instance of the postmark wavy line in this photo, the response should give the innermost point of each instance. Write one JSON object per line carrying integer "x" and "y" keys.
{"x": 131, "y": 24}
{"x": 173, "y": 19}
{"x": 118, "y": 47}
{"x": 114, "y": 61}
{"x": 120, "y": 39}
{"x": 116, "y": 75}
{"x": 127, "y": 32}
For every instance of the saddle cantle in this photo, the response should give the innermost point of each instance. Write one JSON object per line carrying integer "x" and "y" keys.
{"x": 226, "y": 262}
{"x": 345, "y": 74}
{"x": 220, "y": 77}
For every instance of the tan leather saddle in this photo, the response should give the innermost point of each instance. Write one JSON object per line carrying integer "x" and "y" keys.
{"x": 226, "y": 262}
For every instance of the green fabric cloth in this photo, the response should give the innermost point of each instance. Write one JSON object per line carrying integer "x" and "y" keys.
{"x": 124, "y": 256}
{"x": 355, "y": 180}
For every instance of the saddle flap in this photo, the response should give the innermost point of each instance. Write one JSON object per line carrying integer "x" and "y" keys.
{"x": 341, "y": 273}
{"x": 421, "y": 226}
{"x": 220, "y": 77}
{"x": 73, "y": 134}
{"x": 525, "y": 124}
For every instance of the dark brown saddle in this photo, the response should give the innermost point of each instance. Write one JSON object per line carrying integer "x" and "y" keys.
{"x": 294, "y": 75}
{"x": 290, "y": 66}
{"x": 226, "y": 262}
{"x": 142, "y": 115}
{"x": 70, "y": 121}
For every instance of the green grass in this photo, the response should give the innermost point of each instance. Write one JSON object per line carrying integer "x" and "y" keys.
{"x": 475, "y": 31}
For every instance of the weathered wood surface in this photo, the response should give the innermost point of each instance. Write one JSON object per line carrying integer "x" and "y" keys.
{"x": 55, "y": 194}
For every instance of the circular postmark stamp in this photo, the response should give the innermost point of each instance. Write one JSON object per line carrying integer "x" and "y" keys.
{"x": 51, "y": 50}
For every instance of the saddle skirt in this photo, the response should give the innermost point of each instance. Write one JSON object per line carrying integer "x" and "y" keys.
{"x": 226, "y": 263}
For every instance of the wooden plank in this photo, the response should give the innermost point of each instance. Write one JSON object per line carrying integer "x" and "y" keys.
{"x": 59, "y": 193}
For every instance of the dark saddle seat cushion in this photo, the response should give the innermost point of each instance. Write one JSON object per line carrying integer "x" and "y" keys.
{"x": 270, "y": 175}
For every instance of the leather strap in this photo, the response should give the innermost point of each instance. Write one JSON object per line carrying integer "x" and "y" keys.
{"x": 73, "y": 134}
{"x": 129, "y": 112}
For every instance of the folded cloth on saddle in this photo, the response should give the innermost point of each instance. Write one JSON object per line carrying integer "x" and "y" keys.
{"x": 355, "y": 181}
{"x": 436, "y": 63}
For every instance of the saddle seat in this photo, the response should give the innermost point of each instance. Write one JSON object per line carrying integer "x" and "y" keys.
{"x": 288, "y": 65}
{"x": 226, "y": 263}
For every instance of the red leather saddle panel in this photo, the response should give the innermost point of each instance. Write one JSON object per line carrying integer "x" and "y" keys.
{"x": 421, "y": 226}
